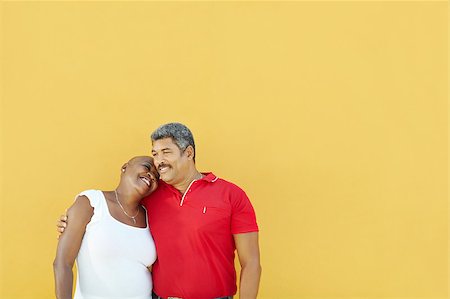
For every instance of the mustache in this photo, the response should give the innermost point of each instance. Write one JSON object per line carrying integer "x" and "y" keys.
{"x": 163, "y": 165}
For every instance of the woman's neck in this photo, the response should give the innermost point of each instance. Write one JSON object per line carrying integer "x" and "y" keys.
{"x": 128, "y": 199}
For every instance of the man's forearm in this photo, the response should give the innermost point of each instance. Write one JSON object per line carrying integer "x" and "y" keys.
{"x": 249, "y": 283}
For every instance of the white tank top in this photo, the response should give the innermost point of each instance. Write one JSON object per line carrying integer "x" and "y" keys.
{"x": 113, "y": 257}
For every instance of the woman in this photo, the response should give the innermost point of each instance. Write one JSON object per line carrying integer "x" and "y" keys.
{"x": 108, "y": 235}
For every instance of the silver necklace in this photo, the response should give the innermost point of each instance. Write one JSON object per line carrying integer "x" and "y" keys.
{"x": 123, "y": 210}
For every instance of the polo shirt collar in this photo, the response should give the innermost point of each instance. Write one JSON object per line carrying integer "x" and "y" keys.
{"x": 209, "y": 177}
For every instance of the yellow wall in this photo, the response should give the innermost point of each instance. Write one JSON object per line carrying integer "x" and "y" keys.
{"x": 331, "y": 115}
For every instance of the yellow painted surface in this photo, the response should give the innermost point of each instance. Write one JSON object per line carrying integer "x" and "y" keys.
{"x": 331, "y": 115}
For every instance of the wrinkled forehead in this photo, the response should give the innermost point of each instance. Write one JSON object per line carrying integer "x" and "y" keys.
{"x": 164, "y": 143}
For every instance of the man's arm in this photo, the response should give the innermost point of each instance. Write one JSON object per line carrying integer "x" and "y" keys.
{"x": 68, "y": 246}
{"x": 248, "y": 252}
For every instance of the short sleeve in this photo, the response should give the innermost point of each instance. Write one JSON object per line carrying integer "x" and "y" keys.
{"x": 243, "y": 218}
{"x": 96, "y": 200}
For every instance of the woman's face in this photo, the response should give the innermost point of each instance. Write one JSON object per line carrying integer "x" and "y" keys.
{"x": 141, "y": 173}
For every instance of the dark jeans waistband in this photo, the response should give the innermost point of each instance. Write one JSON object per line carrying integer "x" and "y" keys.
{"x": 154, "y": 296}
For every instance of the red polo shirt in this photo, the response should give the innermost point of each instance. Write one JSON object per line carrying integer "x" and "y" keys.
{"x": 193, "y": 233}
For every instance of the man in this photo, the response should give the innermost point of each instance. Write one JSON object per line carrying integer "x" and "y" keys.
{"x": 197, "y": 221}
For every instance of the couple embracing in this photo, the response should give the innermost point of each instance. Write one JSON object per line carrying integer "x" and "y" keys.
{"x": 166, "y": 231}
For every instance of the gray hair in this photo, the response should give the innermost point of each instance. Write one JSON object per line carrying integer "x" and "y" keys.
{"x": 180, "y": 134}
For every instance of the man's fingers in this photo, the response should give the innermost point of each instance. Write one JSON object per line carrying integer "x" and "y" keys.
{"x": 60, "y": 231}
{"x": 60, "y": 223}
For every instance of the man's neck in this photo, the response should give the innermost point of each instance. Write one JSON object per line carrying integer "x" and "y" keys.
{"x": 192, "y": 176}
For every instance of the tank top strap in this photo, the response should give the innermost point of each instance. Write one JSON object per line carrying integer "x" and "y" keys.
{"x": 146, "y": 217}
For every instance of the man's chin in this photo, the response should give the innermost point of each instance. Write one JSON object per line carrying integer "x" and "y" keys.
{"x": 165, "y": 178}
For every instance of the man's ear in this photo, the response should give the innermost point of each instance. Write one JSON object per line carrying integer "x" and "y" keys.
{"x": 124, "y": 167}
{"x": 189, "y": 152}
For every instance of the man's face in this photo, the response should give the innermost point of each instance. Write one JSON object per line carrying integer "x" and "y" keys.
{"x": 171, "y": 163}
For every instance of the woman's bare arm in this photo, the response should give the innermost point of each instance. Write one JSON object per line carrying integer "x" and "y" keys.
{"x": 68, "y": 246}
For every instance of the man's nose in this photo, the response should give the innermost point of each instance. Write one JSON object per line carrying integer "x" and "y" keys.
{"x": 157, "y": 161}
